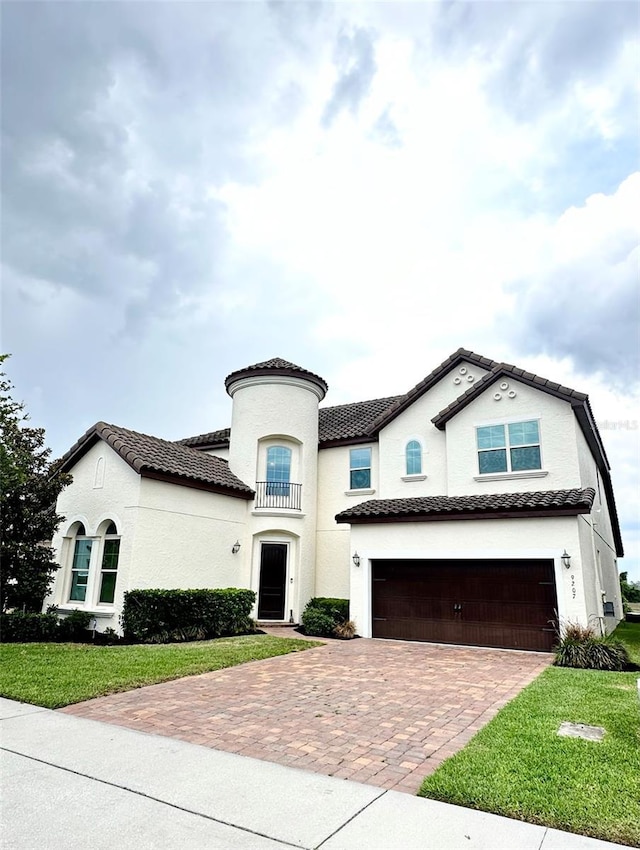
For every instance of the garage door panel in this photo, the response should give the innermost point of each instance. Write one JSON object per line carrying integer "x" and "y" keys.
{"x": 484, "y": 603}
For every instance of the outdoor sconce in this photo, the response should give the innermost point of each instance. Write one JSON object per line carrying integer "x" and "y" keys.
{"x": 235, "y": 548}
{"x": 566, "y": 559}
{"x": 356, "y": 559}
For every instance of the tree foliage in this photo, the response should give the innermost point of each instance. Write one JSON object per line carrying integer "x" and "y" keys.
{"x": 28, "y": 493}
{"x": 630, "y": 590}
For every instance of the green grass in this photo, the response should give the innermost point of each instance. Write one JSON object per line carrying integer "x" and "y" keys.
{"x": 517, "y": 766}
{"x": 57, "y": 674}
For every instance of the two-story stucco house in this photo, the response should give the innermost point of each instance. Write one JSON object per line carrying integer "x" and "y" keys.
{"x": 476, "y": 508}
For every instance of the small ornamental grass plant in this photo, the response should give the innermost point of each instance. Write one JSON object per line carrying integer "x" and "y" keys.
{"x": 580, "y": 647}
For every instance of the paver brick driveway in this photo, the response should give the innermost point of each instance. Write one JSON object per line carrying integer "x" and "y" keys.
{"x": 386, "y": 713}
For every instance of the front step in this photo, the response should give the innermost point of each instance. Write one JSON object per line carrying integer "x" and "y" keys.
{"x": 279, "y": 623}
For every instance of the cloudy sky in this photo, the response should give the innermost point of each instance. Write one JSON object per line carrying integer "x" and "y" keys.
{"x": 189, "y": 188}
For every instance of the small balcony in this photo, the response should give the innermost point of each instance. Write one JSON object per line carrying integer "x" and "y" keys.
{"x": 279, "y": 494}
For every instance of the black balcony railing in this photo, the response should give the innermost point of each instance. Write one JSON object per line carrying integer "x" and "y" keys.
{"x": 278, "y": 494}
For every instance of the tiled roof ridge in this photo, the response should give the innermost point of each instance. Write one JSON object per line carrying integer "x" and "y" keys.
{"x": 427, "y": 382}
{"x": 473, "y": 504}
{"x": 494, "y": 375}
{"x": 221, "y": 435}
{"x": 158, "y": 457}
{"x": 276, "y": 365}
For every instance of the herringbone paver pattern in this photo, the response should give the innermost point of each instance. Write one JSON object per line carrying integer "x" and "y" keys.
{"x": 386, "y": 713}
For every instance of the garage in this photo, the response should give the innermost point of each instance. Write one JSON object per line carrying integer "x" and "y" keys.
{"x": 507, "y": 604}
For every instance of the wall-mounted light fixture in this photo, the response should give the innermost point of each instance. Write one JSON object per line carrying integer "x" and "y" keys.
{"x": 235, "y": 548}
{"x": 566, "y": 559}
{"x": 356, "y": 559}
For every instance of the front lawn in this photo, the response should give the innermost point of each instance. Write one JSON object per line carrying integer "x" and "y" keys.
{"x": 57, "y": 674}
{"x": 517, "y": 765}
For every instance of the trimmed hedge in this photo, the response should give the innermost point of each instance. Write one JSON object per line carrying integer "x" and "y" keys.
{"x": 161, "y": 616}
{"x": 337, "y": 609}
{"x": 19, "y": 627}
{"x": 316, "y": 622}
{"x": 323, "y": 614}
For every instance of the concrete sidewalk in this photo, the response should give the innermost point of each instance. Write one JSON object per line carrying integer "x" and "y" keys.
{"x": 75, "y": 784}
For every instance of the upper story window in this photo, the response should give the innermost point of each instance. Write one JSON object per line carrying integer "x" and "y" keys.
{"x": 278, "y": 470}
{"x": 413, "y": 457}
{"x": 514, "y": 447}
{"x": 360, "y": 469}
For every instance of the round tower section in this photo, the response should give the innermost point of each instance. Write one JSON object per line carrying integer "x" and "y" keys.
{"x": 274, "y": 449}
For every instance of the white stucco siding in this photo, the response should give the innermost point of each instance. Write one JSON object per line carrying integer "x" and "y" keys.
{"x": 221, "y": 453}
{"x": 470, "y": 539}
{"x": 333, "y": 553}
{"x": 559, "y": 453}
{"x": 271, "y": 411}
{"x": 601, "y": 543}
{"x": 104, "y": 488}
{"x": 334, "y": 557}
{"x": 414, "y": 423}
{"x": 185, "y": 536}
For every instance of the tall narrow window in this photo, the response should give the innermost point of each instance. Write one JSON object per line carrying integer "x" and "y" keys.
{"x": 80, "y": 566}
{"x": 278, "y": 470}
{"x": 109, "y": 568}
{"x": 414, "y": 457}
{"x": 360, "y": 469}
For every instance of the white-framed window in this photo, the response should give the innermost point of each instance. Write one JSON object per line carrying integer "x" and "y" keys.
{"x": 94, "y": 566}
{"x": 278, "y": 470}
{"x": 109, "y": 565}
{"x": 80, "y": 565}
{"x": 413, "y": 458}
{"x": 360, "y": 469}
{"x": 512, "y": 447}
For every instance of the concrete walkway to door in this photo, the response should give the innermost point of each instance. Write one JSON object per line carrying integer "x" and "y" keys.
{"x": 385, "y": 713}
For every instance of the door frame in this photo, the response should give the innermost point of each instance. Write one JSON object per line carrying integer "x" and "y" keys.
{"x": 281, "y": 540}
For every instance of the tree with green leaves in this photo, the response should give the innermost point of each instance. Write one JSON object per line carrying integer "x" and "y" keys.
{"x": 630, "y": 589}
{"x": 28, "y": 494}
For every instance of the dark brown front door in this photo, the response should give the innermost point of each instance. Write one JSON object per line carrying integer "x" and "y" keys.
{"x": 508, "y": 604}
{"x": 273, "y": 575}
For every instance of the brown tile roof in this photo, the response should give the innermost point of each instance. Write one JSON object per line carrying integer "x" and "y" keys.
{"x": 155, "y": 458}
{"x": 493, "y": 505}
{"x": 454, "y": 360}
{"x": 212, "y": 440}
{"x": 276, "y": 366}
{"x": 348, "y": 422}
{"x": 501, "y": 370}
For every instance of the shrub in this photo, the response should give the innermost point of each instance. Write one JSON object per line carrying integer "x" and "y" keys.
{"x": 337, "y": 609}
{"x": 579, "y": 646}
{"x": 161, "y": 616}
{"x": 317, "y": 623}
{"x": 18, "y": 627}
{"x": 74, "y": 626}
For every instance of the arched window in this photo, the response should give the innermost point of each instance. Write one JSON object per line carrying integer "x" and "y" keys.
{"x": 80, "y": 565}
{"x": 278, "y": 470}
{"x": 109, "y": 567}
{"x": 413, "y": 454}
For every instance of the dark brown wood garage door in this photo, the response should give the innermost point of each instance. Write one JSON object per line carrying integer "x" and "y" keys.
{"x": 479, "y": 603}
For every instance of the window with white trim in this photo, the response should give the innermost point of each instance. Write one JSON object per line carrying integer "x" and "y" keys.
{"x": 109, "y": 567}
{"x": 94, "y": 566}
{"x": 360, "y": 469}
{"x": 80, "y": 565}
{"x": 413, "y": 458}
{"x": 514, "y": 447}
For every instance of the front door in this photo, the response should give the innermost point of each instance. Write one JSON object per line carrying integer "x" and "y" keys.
{"x": 273, "y": 576}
